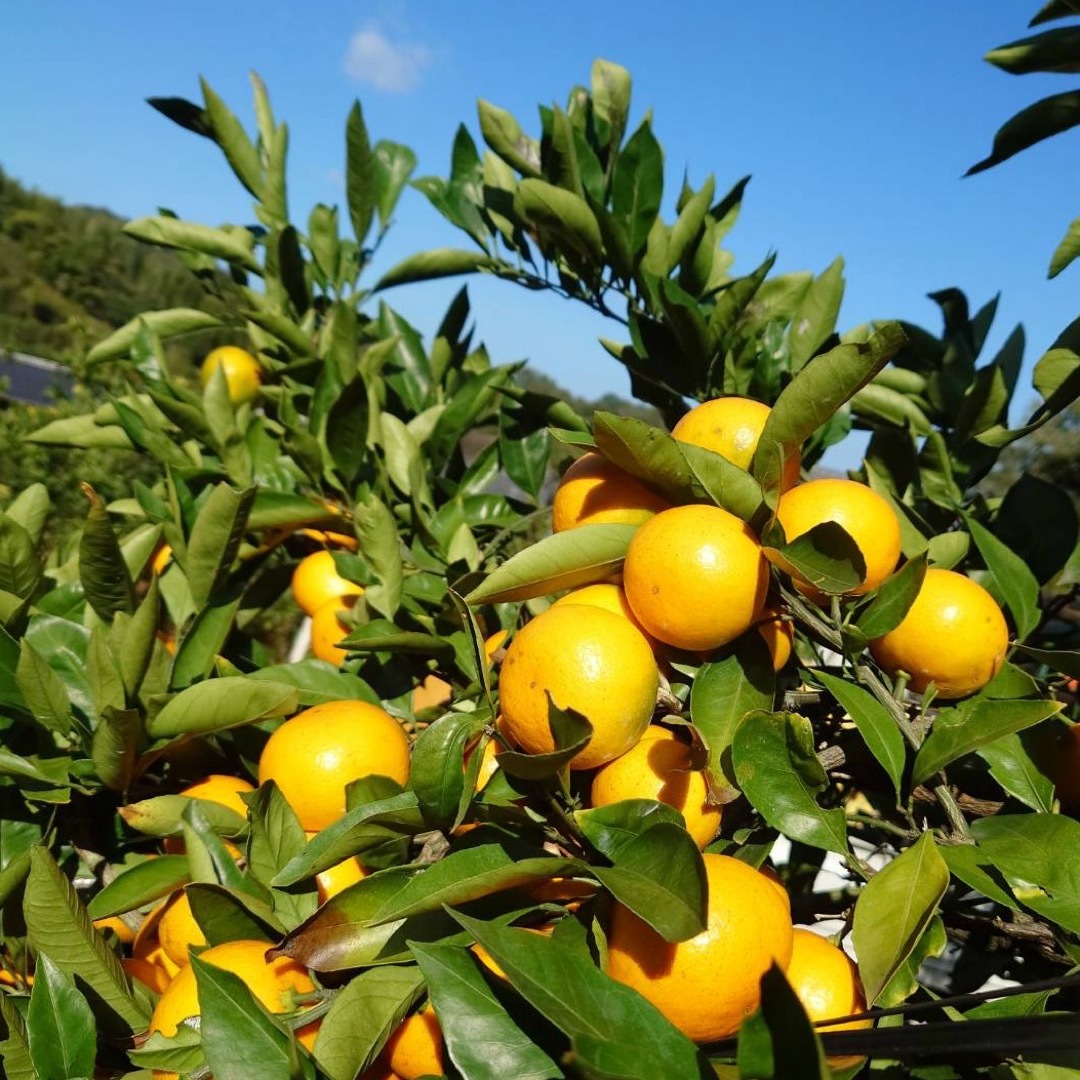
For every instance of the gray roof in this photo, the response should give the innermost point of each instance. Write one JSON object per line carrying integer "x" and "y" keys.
{"x": 32, "y": 379}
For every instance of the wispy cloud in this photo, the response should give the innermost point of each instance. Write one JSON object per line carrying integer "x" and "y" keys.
{"x": 392, "y": 65}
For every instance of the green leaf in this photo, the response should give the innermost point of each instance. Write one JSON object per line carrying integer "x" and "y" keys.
{"x": 163, "y": 815}
{"x": 363, "y": 1014}
{"x": 1014, "y": 580}
{"x": 102, "y": 570}
{"x": 30, "y": 509}
{"x": 724, "y": 692}
{"x": 611, "y": 85}
{"x": 563, "y": 561}
{"x": 239, "y": 1038}
{"x": 565, "y": 217}
{"x": 504, "y": 135}
{"x": 1045, "y": 118}
{"x": 815, "y": 317}
{"x": 437, "y": 767}
{"x": 1037, "y": 854}
{"x": 380, "y": 546}
{"x": 611, "y": 828}
{"x": 187, "y": 236}
{"x": 205, "y": 638}
{"x": 893, "y": 599}
{"x": 876, "y": 725}
{"x": 959, "y": 731}
{"x": 360, "y": 178}
{"x": 142, "y": 884}
{"x": 433, "y": 264}
{"x": 222, "y": 703}
{"x": 778, "y": 1042}
{"x": 637, "y": 187}
{"x": 227, "y": 132}
{"x": 1055, "y": 50}
{"x": 599, "y": 1014}
{"x": 394, "y": 165}
{"x": 571, "y": 733}
{"x": 60, "y": 1025}
{"x": 723, "y": 482}
{"x": 1067, "y": 250}
{"x": 115, "y": 745}
{"x": 479, "y": 1035}
{"x": 227, "y": 914}
{"x": 215, "y": 540}
{"x": 15, "y": 1045}
{"x": 43, "y": 690}
{"x": 893, "y": 909}
{"x": 1012, "y": 767}
{"x": 645, "y": 451}
{"x": 57, "y": 923}
{"x": 825, "y": 556}
{"x": 163, "y": 324}
{"x": 317, "y": 682}
{"x": 778, "y": 770}
{"x": 277, "y": 837}
{"x": 660, "y": 876}
{"x": 1063, "y": 660}
{"x": 816, "y": 393}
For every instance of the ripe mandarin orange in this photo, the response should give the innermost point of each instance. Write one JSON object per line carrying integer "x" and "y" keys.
{"x": 339, "y": 877}
{"x": 415, "y": 1049}
{"x": 825, "y": 980}
{"x": 862, "y": 513}
{"x": 272, "y": 982}
{"x": 328, "y": 630}
{"x": 731, "y": 427}
{"x": 589, "y": 660}
{"x": 120, "y": 927}
{"x": 162, "y": 557}
{"x": 708, "y": 985}
{"x": 316, "y": 581}
{"x": 954, "y": 636}
{"x": 659, "y": 767}
{"x": 242, "y": 372}
{"x": 778, "y": 634}
{"x": 593, "y": 491}
{"x": 607, "y": 596}
{"x": 695, "y": 577}
{"x": 178, "y": 930}
{"x": 316, "y": 754}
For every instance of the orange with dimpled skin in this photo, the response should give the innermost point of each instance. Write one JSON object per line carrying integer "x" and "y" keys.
{"x": 594, "y": 491}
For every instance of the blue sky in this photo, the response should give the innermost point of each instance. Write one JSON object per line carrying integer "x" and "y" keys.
{"x": 856, "y": 121}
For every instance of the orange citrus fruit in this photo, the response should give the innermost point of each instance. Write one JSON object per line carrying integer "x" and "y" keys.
{"x": 328, "y": 631}
{"x": 1064, "y": 768}
{"x": 708, "y": 985}
{"x": 659, "y": 767}
{"x": 594, "y": 491}
{"x": 272, "y": 982}
{"x": 825, "y": 980}
{"x": 178, "y": 930}
{"x": 607, "y": 596}
{"x": 867, "y": 518}
{"x": 731, "y": 427}
{"x": 695, "y": 577}
{"x": 339, "y": 877}
{"x": 316, "y": 754}
{"x": 954, "y": 636}
{"x": 242, "y": 372}
{"x": 316, "y": 581}
{"x": 492, "y": 964}
{"x": 152, "y": 976}
{"x": 416, "y": 1048}
{"x": 161, "y": 558}
{"x": 778, "y": 634}
{"x": 773, "y": 878}
{"x": 120, "y": 927}
{"x": 588, "y": 660}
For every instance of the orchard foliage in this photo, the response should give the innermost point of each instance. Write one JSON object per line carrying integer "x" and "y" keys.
{"x": 120, "y": 684}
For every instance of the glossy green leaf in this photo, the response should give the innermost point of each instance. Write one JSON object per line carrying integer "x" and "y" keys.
{"x": 563, "y": 561}
{"x": 1045, "y": 118}
{"x": 360, "y": 177}
{"x": 893, "y": 910}
{"x": 215, "y": 540}
{"x": 1055, "y": 50}
{"x": 637, "y": 186}
{"x": 778, "y": 771}
{"x": 1012, "y": 577}
{"x": 563, "y": 216}
{"x": 969, "y": 864}
{"x": 660, "y": 876}
{"x": 226, "y": 914}
{"x": 611, "y": 828}
{"x": 381, "y": 547}
{"x": 139, "y": 885}
{"x": 724, "y": 483}
{"x": 1067, "y": 250}
{"x": 893, "y": 599}
{"x": 647, "y": 452}
{"x": 239, "y": 1038}
{"x": 437, "y": 768}
{"x": 815, "y": 318}
{"x": 480, "y": 1037}
{"x": 959, "y": 731}
{"x": 187, "y": 236}
{"x": 15, "y": 1044}
{"x": 363, "y": 1014}
{"x": 58, "y": 923}
{"x": 504, "y": 135}
{"x": 102, "y": 570}
{"x": 277, "y": 837}
{"x": 1065, "y": 661}
{"x": 876, "y": 726}
{"x": 60, "y": 1025}
{"x": 433, "y": 264}
{"x": 42, "y": 689}
{"x": 115, "y": 745}
{"x": 394, "y": 165}
{"x": 163, "y": 815}
{"x": 222, "y": 703}
{"x": 20, "y": 566}
{"x": 1037, "y": 854}
{"x": 593, "y": 1010}
{"x": 724, "y": 692}
{"x": 611, "y": 85}
{"x": 163, "y": 324}
{"x": 1013, "y": 768}
{"x": 205, "y": 638}
{"x": 826, "y": 556}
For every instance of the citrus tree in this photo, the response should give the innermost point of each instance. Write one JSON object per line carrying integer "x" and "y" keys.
{"x": 547, "y": 802}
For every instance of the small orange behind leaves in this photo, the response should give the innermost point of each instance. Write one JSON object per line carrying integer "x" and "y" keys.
{"x": 593, "y": 491}
{"x": 416, "y": 1048}
{"x": 328, "y": 631}
{"x": 316, "y": 581}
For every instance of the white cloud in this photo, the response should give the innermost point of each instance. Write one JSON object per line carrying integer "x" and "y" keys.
{"x": 394, "y": 66}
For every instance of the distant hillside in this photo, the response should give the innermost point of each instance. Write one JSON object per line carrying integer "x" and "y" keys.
{"x": 68, "y": 275}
